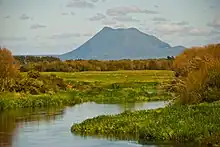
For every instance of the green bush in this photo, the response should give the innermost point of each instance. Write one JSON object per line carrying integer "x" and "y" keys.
{"x": 33, "y": 74}
{"x": 34, "y": 83}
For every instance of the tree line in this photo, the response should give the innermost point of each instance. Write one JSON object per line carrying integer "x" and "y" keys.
{"x": 53, "y": 64}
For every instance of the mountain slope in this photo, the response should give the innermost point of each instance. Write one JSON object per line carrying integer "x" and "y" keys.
{"x": 113, "y": 44}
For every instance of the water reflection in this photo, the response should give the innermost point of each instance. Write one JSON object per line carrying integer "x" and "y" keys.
{"x": 51, "y": 127}
{"x": 11, "y": 120}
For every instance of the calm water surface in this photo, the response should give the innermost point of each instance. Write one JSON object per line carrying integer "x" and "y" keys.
{"x": 51, "y": 127}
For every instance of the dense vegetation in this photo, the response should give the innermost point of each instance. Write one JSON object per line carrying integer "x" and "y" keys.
{"x": 35, "y": 59}
{"x": 198, "y": 72}
{"x": 99, "y": 87}
{"x": 52, "y": 64}
{"x": 35, "y": 89}
{"x": 197, "y": 85}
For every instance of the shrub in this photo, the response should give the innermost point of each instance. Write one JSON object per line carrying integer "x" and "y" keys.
{"x": 8, "y": 68}
{"x": 33, "y": 74}
{"x": 34, "y": 83}
{"x": 199, "y": 75}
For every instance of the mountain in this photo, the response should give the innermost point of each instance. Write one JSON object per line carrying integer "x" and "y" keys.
{"x": 114, "y": 44}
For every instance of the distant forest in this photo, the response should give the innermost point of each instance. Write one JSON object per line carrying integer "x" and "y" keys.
{"x": 53, "y": 64}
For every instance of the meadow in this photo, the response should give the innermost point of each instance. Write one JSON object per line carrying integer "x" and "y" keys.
{"x": 99, "y": 87}
{"x": 123, "y": 76}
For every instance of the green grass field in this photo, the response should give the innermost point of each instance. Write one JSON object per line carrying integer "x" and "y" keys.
{"x": 110, "y": 77}
{"x": 99, "y": 87}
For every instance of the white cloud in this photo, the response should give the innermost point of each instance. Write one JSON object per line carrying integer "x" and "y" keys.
{"x": 108, "y": 22}
{"x": 127, "y": 10}
{"x": 80, "y": 4}
{"x": 13, "y": 38}
{"x": 215, "y": 23}
{"x": 159, "y": 19}
{"x": 37, "y": 26}
{"x": 65, "y": 36}
{"x": 24, "y": 17}
{"x": 97, "y": 17}
{"x": 125, "y": 19}
{"x": 180, "y": 28}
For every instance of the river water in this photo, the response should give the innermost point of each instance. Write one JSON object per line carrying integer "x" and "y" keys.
{"x": 51, "y": 127}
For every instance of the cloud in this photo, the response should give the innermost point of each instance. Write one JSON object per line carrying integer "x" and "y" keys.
{"x": 37, "y": 26}
{"x": 94, "y": 1}
{"x": 120, "y": 26}
{"x": 156, "y": 6}
{"x": 167, "y": 28}
{"x": 127, "y": 10}
{"x": 159, "y": 19}
{"x": 108, "y": 22}
{"x": 67, "y": 13}
{"x": 97, "y": 17}
{"x": 125, "y": 19}
{"x": 65, "y": 36}
{"x": 217, "y": 38}
{"x": 181, "y": 23}
{"x": 80, "y": 4}
{"x": 215, "y": 23}
{"x": 87, "y": 34}
{"x": 24, "y": 17}
{"x": 180, "y": 28}
{"x": 64, "y": 13}
{"x": 197, "y": 32}
{"x": 13, "y": 38}
{"x": 8, "y": 16}
{"x": 215, "y": 32}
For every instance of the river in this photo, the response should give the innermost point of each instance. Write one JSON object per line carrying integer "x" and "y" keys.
{"x": 45, "y": 127}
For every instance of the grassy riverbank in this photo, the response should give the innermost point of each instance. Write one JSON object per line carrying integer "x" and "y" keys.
{"x": 99, "y": 87}
{"x": 195, "y": 123}
{"x": 193, "y": 117}
{"x": 19, "y": 100}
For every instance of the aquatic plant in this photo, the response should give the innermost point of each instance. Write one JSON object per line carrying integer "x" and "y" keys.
{"x": 179, "y": 123}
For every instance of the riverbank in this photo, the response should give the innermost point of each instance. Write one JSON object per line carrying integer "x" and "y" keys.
{"x": 195, "y": 123}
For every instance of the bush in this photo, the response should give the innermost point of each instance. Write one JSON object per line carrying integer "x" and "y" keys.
{"x": 199, "y": 75}
{"x": 34, "y": 83}
{"x": 33, "y": 74}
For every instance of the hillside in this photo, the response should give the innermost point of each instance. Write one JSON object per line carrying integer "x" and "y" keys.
{"x": 114, "y": 44}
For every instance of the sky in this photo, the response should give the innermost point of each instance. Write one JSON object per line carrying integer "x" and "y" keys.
{"x": 59, "y": 26}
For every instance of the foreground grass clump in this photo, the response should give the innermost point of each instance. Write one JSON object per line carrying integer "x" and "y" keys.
{"x": 195, "y": 123}
{"x": 19, "y": 100}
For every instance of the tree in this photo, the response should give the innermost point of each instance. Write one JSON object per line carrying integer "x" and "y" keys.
{"x": 8, "y": 67}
